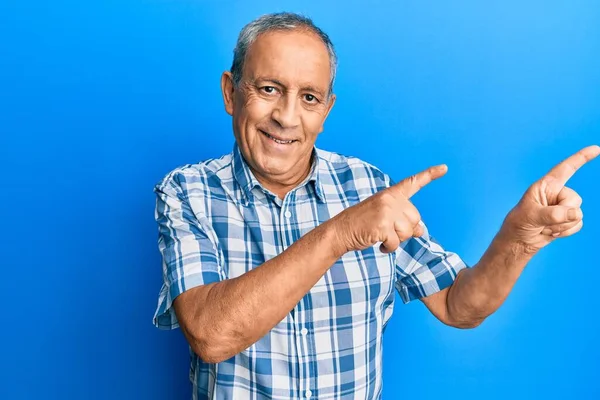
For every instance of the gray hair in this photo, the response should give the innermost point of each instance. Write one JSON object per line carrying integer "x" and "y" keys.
{"x": 284, "y": 21}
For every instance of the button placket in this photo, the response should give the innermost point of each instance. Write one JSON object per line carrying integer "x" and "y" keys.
{"x": 284, "y": 221}
{"x": 302, "y": 340}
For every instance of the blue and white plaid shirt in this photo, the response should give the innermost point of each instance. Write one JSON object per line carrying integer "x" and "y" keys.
{"x": 217, "y": 222}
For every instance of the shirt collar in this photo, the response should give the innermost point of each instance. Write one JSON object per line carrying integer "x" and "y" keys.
{"x": 247, "y": 181}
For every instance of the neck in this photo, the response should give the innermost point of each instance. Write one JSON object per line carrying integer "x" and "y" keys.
{"x": 281, "y": 188}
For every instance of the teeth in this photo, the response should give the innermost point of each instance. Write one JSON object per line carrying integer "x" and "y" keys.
{"x": 277, "y": 140}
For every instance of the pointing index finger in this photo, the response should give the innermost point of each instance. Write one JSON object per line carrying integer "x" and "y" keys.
{"x": 411, "y": 185}
{"x": 563, "y": 171}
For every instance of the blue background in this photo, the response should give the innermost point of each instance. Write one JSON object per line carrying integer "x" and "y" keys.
{"x": 99, "y": 100}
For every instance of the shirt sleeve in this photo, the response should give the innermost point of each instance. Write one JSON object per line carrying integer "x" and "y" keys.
{"x": 189, "y": 256}
{"x": 423, "y": 267}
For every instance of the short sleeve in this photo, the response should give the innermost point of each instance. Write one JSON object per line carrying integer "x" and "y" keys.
{"x": 423, "y": 267}
{"x": 189, "y": 256}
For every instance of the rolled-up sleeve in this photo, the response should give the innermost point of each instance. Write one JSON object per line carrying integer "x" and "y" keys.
{"x": 423, "y": 267}
{"x": 189, "y": 257}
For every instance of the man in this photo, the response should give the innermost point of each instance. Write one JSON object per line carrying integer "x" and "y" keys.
{"x": 280, "y": 259}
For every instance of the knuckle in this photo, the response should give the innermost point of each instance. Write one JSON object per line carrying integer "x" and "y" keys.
{"x": 571, "y": 166}
{"x": 404, "y": 233}
{"x": 415, "y": 214}
{"x": 381, "y": 224}
{"x": 404, "y": 237}
{"x": 385, "y": 198}
{"x": 401, "y": 225}
{"x": 402, "y": 230}
{"x": 414, "y": 180}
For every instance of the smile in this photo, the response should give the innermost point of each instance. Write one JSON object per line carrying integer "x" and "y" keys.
{"x": 277, "y": 140}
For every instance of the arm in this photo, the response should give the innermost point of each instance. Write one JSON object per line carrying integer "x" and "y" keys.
{"x": 221, "y": 319}
{"x": 479, "y": 291}
{"x": 548, "y": 210}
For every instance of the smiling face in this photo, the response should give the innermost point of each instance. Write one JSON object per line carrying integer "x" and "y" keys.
{"x": 280, "y": 105}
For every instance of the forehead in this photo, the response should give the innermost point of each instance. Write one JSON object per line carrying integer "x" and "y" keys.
{"x": 296, "y": 58}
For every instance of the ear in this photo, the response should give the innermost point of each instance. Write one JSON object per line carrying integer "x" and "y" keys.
{"x": 227, "y": 89}
{"x": 330, "y": 104}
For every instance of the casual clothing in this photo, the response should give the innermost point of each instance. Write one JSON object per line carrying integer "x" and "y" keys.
{"x": 217, "y": 222}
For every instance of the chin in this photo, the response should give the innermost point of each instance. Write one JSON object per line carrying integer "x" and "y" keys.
{"x": 275, "y": 167}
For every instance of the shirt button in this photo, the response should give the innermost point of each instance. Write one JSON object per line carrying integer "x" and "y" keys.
{"x": 307, "y": 394}
{"x": 288, "y": 214}
{"x": 303, "y": 331}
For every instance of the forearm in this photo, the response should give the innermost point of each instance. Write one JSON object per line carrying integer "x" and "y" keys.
{"x": 238, "y": 312}
{"x": 479, "y": 291}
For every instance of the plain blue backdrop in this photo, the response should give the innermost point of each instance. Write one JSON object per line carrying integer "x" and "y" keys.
{"x": 99, "y": 100}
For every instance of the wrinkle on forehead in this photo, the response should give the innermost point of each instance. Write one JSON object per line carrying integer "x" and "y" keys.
{"x": 297, "y": 59}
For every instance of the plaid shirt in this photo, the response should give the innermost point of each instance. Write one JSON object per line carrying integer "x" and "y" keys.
{"x": 217, "y": 222}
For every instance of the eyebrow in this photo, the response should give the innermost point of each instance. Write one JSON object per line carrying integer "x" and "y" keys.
{"x": 314, "y": 89}
{"x": 308, "y": 88}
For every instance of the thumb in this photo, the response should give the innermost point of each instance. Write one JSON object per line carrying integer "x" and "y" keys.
{"x": 411, "y": 185}
{"x": 553, "y": 215}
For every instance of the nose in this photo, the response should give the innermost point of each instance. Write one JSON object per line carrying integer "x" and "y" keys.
{"x": 286, "y": 112}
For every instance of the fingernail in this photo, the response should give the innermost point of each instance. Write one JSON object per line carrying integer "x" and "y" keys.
{"x": 572, "y": 214}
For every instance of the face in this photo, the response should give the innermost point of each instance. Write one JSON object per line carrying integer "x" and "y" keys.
{"x": 280, "y": 105}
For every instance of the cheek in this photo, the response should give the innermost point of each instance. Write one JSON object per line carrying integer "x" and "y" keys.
{"x": 312, "y": 121}
{"x": 246, "y": 116}
{"x": 256, "y": 108}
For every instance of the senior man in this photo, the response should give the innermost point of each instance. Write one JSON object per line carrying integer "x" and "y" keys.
{"x": 280, "y": 259}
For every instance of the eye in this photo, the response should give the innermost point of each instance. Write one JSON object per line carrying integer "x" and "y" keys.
{"x": 310, "y": 98}
{"x": 268, "y": 89}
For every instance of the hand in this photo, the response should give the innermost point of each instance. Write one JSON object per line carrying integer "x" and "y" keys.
{"x": 549, "y": 209}
{"x": 388, "y": 216}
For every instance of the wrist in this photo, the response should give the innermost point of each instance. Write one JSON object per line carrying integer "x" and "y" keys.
{"x": 507, "y": 239}
{"x": 334, "y": 236}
